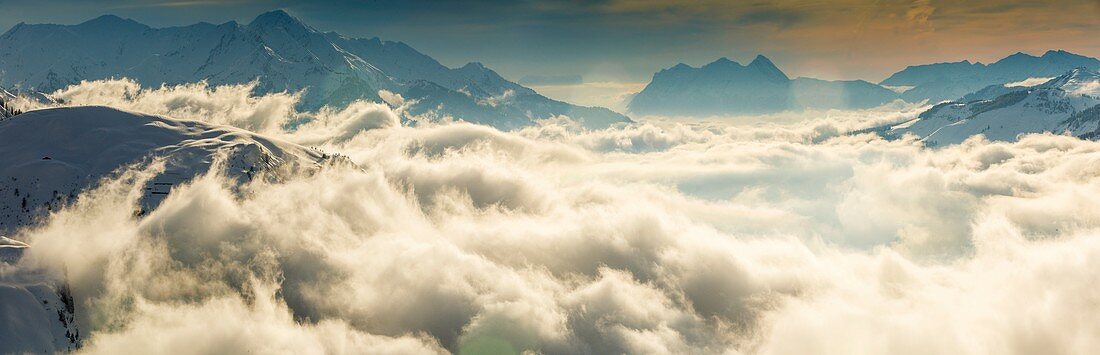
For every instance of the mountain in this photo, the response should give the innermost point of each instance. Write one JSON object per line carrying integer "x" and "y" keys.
{"x": 725, "y": 87}
{"x": 950, "y": 81}
{"x": 283, "y": 54}
{"x": 1069, "y": 103}
{"x": 50, "y": 156}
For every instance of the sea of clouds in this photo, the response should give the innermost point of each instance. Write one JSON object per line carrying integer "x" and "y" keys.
{"x": 779, "y": 234}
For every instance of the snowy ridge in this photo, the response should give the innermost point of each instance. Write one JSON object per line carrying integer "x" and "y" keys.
{"x": 1060, "y": 105}
{"x": 951, "y": 81}
{"x": 279, "y": 51}
{"x": 51, "y": 155}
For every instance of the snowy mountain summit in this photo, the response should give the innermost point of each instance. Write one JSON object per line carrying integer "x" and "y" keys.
{"x": 283, "y": 54}
{"x": 1069, "y": 103}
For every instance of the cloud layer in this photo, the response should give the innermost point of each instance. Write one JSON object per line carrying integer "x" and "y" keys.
{"x": 666, "y": 236}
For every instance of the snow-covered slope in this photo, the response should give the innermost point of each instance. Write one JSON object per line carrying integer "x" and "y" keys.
{"x": 725, "y": 87}
{"x": 38, "y": 317}
{"x": 1061, "y": 105}
{"x": 950, "y": 81}
{"x": 282, "y": 53}
{"x": 49, "y": 156}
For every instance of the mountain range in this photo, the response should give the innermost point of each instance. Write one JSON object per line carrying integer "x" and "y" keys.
{"x": 951, "y": 81}
{"x": 1069, "y": 103}
{"x": 278, "y": 52}
{"x": 281, "y": 53}
{"x": 725, "y": 87}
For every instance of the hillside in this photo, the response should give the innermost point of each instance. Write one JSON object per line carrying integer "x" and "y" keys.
{"x": 1065, "y": 104}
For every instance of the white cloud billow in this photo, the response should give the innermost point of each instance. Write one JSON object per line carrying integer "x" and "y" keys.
{"x": 787, "y": 237}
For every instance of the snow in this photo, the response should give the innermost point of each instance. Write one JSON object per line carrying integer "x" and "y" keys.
{"x": 276, "y": 49}
{"x": 1028, "y": 82}
{"x": 1040, "y": 108}
{"x": 1083, "y": 88}
{"x": 50, "y": 155}
{"x": 34, "y": 319}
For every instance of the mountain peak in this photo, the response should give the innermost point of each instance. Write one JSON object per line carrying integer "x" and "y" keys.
{"x": 680, "y": 66}
{"x": 1054, "y": 52}
{"x": 112, "y": 22}
{"x": 760, "y": 59}
{"x": 1080, "y": 72}
{"x": 765, "y": 65}
{"x": 283, "y": 55}
{"x": 1019, "y": 55}
{"x": 474, "y": 65}
{"x": 1077, "y": 76}
{"x": 277, "y": 18}
{"x": 277, "y": 14}
{"x": 108, "y": 18}
{"x": 723, "y": 61}
{"x": 1061, "y": 55}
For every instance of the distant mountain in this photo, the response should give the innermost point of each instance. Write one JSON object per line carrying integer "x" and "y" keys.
{"x": 725, "y": 87}
{"x": 283, "y": 54}
{"x": 950, "y": 81}
{"x": 1069, "y": 103}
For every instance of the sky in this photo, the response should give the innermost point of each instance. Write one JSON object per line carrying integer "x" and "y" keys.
{"x": 626, "y": 41}
{"x": 657, "y": 236}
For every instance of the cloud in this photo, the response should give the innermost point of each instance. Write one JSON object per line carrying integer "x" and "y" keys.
{"x": 612, "y": 95}
{"x": 719, "y": 236}
{"x": 231, "y": 105}
{"x": 232, "y": 325}
{"x": 234, "y": 105}
{"x": 1027, "y": 82}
